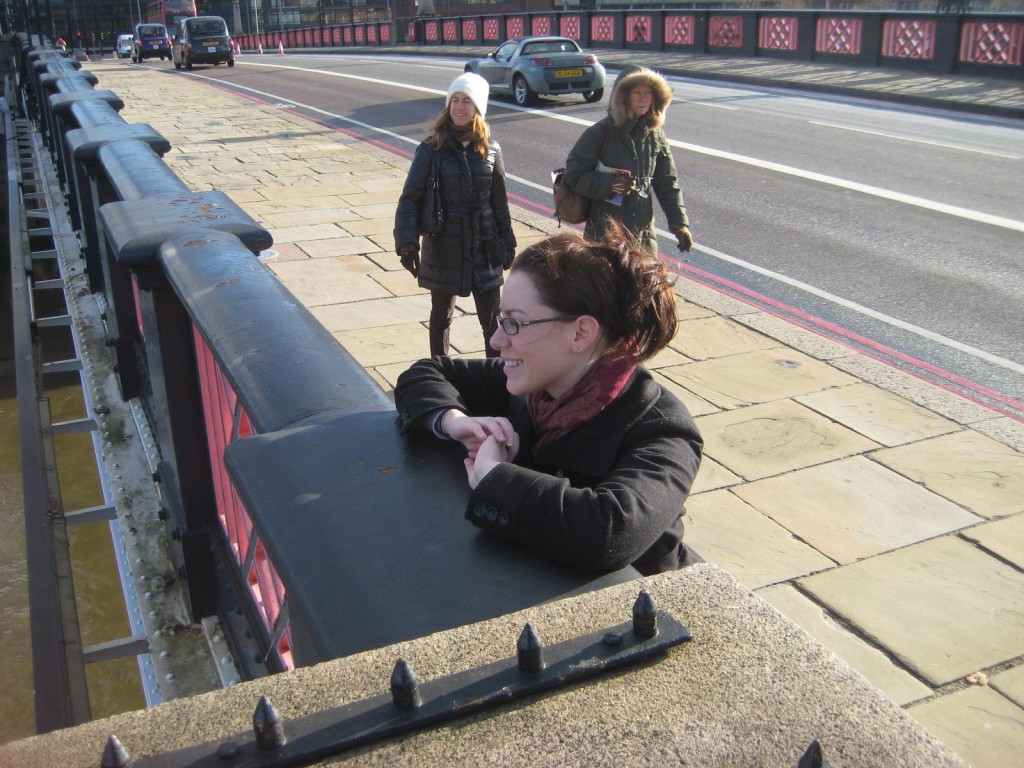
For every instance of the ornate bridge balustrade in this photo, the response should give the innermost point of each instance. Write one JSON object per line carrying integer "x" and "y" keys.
{"x": 980, "y": 44}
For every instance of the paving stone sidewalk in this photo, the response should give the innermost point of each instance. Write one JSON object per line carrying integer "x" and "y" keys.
{"x": 883, "y": 515}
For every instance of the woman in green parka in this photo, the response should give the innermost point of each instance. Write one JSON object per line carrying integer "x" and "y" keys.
{"x": 632, "y": 146}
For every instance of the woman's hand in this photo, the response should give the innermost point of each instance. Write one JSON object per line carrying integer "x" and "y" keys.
{"x": 490, "y": 454}
{"x": 410, "y": 256}
{"x": 473, "y": 431}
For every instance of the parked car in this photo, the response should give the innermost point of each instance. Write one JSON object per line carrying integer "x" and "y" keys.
{"x": 525, "y": 67}
{"x": 203, "y": 40}
{"x": 79, "y": 54}
{"x": 150, "y": 42}
{"x": 123, "y": 46}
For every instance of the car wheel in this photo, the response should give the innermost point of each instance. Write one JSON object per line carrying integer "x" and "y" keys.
{"x": 231, "y": 62}
{"x": 592, "y": 96}
{"x": 522, "y": 91}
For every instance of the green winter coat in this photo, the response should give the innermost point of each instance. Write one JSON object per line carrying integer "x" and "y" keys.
{"x": 635, "y": 144}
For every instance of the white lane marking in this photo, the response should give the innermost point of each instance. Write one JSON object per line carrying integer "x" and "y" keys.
{"x": 931, "y": 142}
{"x": 700, "y": 103}
{"x": 767, "y": 165}
{"x": 853, "y": 306}
{"x": 945, "y": 341}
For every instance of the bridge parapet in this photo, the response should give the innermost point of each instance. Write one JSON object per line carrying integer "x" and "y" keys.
{"x": 750, "y": 689}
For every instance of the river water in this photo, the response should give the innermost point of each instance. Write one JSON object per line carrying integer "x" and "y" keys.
{"x": 114, "y": 686}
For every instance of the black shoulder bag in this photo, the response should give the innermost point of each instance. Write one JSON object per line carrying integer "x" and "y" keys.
{"x": 432, "y": 211}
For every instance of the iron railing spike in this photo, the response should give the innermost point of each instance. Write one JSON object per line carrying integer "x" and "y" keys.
{"x": 645, "y": 616}
{"x": 115, "y": 755}
{"x": 267, "y": 726}
{"x": 530, "y": 651}
{"x": 405, "y": 689}
{"x": 814, "y": 757}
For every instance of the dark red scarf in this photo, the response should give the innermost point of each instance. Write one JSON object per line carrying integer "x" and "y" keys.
{"x": 598, "y": 387}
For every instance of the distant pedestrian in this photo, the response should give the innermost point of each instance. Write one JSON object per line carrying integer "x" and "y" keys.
{"x": 476, "y": 244}
{"x": 618, "y": 161}
{"x": 573, "y": 448}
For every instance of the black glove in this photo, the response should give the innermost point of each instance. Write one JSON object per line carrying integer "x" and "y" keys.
{"x": 410, "y": 256}
{"x": 683, "y": 237}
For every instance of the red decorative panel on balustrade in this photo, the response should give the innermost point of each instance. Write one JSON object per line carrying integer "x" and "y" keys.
{"x": 348, "y": 35}
{"x": 450, "y": 29}
{"x": 318, "y": 36}
{"x": 371, "y": 33}
{"x": 908, "y": 39}
{"x": 307, "y": 37}
{"x": 385, "y": 33}
{"x": 410, "y": 32}
{"x": 469, "y": 29}
{"x": 725, "y": 31}
{"x": 992, "y": 42}
{"x": 360, "y": 35}
{"x": 227, "y": 421}
{"x": 679, "y": 30}
{"x": 492, "y": 30}
{"x": 638, "y": 29}
{"x": 432, "y": 31}
{"x": 602, "y": 29}
{"x": 570, "y": 26}
{"x": 514, "y": 26}
{"x": 540, "y": 25}
{"x": 777, "y": 33}
{"x": 843, "y": 36}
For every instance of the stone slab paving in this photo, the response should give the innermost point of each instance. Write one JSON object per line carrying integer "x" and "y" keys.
{"x": 775, "y": 437}
{"x": 881, "y": 510}
{"x": 946, "y": 609}
{"x": 881, "y": 514}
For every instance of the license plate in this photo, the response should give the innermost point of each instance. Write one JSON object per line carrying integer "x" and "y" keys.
{"x": 568, "y": 73}
{"x": 210, "y": 45}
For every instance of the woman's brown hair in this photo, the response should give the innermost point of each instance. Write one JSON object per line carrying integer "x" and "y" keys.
{"x": 623, "y": 285}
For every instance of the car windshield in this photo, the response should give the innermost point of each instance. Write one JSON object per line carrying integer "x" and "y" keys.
{"x": 207, "y": 28}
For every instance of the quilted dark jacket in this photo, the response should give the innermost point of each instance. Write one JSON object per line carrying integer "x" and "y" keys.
{"x": 477, "y": 243}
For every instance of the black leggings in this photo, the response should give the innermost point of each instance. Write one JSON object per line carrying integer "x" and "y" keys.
{"x": 442, "y": 309}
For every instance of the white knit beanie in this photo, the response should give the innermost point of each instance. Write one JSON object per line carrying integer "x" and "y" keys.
{"x": 473, "y": 86}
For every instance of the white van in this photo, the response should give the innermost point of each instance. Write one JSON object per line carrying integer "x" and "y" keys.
{"x": 123, "y": 47}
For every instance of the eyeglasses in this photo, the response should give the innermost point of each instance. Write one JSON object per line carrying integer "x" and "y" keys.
{"x": 511, "y": 326}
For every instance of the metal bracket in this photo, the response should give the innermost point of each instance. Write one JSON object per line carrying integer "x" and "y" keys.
{"x": 412, "y": 706}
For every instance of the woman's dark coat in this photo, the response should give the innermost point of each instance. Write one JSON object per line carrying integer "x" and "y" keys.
{"x": 635, "y": 144}
{"x": 477, "y": 243}
{"x": 606, "y": 494}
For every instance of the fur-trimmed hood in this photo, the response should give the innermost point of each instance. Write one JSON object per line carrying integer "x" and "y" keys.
{"x": 630, "y": 78}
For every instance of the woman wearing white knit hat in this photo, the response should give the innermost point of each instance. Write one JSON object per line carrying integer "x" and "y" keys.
{"x": 476, "y": 244}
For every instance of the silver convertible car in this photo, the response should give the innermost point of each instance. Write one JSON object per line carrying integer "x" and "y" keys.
{"x": 525, "y": 67}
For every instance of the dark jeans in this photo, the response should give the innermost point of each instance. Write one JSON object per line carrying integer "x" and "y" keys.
{"x": 442, "y": 309}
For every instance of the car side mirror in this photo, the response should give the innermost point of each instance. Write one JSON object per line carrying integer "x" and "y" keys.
{"x": 490, "y": 55}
